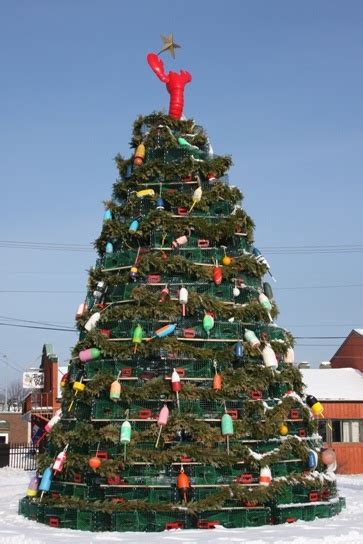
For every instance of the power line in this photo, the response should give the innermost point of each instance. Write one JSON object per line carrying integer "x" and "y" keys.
{"x": 341, "y": 286}
{"x": 40, "y": 291}
{"x": 45, "y": 246}
{"x": 36, "y": 327}
{"x": 271, "y": 250}
{"x": 30, "y": 321}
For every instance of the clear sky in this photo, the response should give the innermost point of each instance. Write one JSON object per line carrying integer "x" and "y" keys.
{"x": 278, "y": 85}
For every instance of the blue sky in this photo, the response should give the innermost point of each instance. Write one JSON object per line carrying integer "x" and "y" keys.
{"x": 278, "y": 85}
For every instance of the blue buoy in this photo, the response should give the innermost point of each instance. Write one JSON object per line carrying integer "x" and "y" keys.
{"x": 160, "y": 204}
{"x": 238, "y": 350}
{"x": 109, "y": 247}
{"x": 107, "y": 216}
{"x": 312, "y": 460}
{"x": 134, "y": 225}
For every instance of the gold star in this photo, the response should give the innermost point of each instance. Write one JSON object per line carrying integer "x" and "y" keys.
{"x": 169, "y": 45}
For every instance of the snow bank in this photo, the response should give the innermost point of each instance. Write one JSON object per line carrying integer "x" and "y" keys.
{"x": 347, "y": 528}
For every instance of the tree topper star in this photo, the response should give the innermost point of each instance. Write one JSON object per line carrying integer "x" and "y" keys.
{"x": 169, "y": 44}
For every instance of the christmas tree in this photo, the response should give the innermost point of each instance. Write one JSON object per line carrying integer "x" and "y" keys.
{"x": 181, "y": 407}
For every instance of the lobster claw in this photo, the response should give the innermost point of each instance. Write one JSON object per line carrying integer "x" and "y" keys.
{"x": 185, "y": 76}
{"x": 157, "y": 66}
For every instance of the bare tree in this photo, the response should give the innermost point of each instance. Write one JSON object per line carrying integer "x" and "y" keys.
{"x": 15, "y": 396}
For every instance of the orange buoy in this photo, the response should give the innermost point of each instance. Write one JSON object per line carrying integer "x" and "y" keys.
{"x": 217, "y": 274}
{"x": 94, "y": 462}
{"x": 183, "y": 484}
{"x": 217, "y": 382}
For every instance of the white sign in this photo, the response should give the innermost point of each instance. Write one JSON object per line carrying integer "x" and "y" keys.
{"x": 33, "y": 379}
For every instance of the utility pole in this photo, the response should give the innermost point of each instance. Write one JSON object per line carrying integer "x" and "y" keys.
{"x": 6, "y": 382}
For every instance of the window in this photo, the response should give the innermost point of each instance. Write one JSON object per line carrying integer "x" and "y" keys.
{"x": 347, "y": 430}
{"x": 4, "y": 437}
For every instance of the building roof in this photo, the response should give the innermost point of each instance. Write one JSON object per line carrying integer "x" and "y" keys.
{"x": 334, "y": 384}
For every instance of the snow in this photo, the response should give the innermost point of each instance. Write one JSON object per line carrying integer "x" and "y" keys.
{"x": 334, "y": 384}
{"x": 346, "y": 528}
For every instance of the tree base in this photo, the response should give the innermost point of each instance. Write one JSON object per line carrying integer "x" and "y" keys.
{"x": 153, "y": 521}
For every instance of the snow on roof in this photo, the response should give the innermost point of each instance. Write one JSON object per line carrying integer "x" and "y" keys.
{"x": 334, "y": 383}
{"x": 359, "y": 331}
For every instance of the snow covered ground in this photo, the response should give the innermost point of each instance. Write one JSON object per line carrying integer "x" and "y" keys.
{"x": 347, "y": 528}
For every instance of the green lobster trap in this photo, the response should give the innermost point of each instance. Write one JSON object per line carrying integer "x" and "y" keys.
{"x": 149, "y": 521}
{"x": 233, "y": 517}
{"x": 31, "y": 509}
{"x": 307, "y": 512}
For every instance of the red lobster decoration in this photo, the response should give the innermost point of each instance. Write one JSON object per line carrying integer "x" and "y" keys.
{"x": 175, "y": 84}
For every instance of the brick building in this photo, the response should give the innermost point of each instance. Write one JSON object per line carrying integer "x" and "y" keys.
{"x": 41, "y": 404}
{"x": 340, "y": 390}
{"x": 13, "y": 428}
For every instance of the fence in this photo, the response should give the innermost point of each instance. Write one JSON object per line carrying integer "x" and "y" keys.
{"x": 18, "y": 456}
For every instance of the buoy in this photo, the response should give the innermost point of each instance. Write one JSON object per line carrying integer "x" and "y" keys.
{"x": 290, "y": 356}
{"x": 89, "y": 354}
{"x": 217, "y": 274}
{"x": 163, "y": 331}
{"x": 134, "y": 225}
{"x": 261, "y": 260}
{"x": 269, "y": 357}
{"x": 315, "y": 406}
{"x": 92, "y": 321}
{"x": 252, "y": 339}
{"x": 208, "y": 323}
{"x": 238, "y": 350}
{"x": 328, "y": 456}
{"x": 236, "y": 292}
{"x": 137, "y": 336}
{"x": 107, "y": 215}
{"x": 181, "y": 241}
{"x": 265, "y": 476}
{"x": 312, "y": 460}
{"x": 196, "y": 198}
{"x": 183, "y": 299}
{"x": 134, "y": 273}
{"x": 283, "y": 429}
{"x": 183, "y": 484}
{"x": 115, "y": 391}
{"x": 266, "y": 304}
{"x": 145, "y": 192}
{"x": 60, "y": 460}
{"x": 267, "y": 289}
{"x": 94, "y": 462}
{"x": 139, "y": 155}
{"x": 164, "y": 295}
{"x": 162, "y": 421}
{"x": 81, "y": 310}
{"x": 109, "y": 248}
{"x": 125, "y": 436}
{"x": 125, "y": 432}
{"x": 78, "y": 387}
{"x": 176, "y": 386}
{"x": 226, "y": 261}
{"x": 64, "y": 380}
{"x": 217, "y": 382}
{"x": 160, "y": 204}
{"x": 227, "y": 428}
{"x": 33, "y": 487}
{"x": 53, "y": 421}
{"x": 46, "y": 481}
